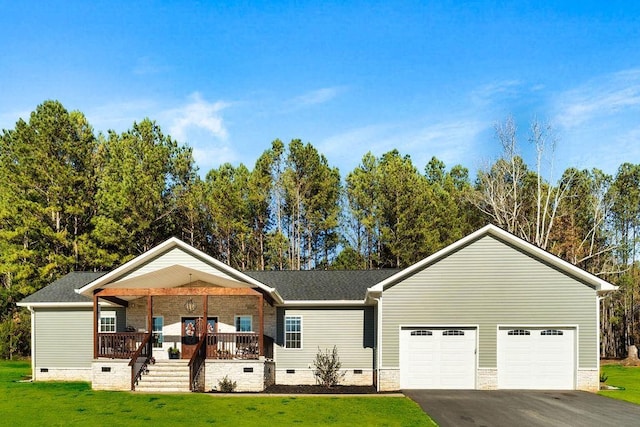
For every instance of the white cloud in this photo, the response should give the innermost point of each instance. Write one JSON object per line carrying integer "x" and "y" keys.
{"x": 198, "y": 114}
{"x": 600, "y": 98}
{"x": 312, "y": 98}
{"x": 453, "y": 140}
{"x": 489, "y": 93}
{"x": 119, "y": 116}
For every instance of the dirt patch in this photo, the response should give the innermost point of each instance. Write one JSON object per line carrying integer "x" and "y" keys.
{"x": 629, "y": 361}
{"x": 316, "y": 389}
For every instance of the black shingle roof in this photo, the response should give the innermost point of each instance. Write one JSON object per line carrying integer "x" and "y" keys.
{"x": 306, "y": 285}
{"x": 63, "y": 289}
{"x": 321, "y": 285}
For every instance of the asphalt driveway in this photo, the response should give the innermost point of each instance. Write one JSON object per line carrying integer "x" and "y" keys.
{"x": 524, "y": 408}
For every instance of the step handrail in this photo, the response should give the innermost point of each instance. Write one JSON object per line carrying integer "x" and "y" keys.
{"x": 197, "y": 361}
{"x": 138, "y": 367}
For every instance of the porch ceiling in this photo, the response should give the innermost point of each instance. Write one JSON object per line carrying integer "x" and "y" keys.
{"x": 175, "y": 276}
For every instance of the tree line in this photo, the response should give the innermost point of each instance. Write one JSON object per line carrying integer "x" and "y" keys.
{"x": 73, "y": 199}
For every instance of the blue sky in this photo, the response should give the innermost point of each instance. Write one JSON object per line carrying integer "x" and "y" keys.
{"x": 428, "y": 78}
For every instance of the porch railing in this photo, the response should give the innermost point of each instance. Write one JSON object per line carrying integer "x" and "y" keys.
{"x": 119, "y": 345}
{"x": 233, "y": 345}
{"x": 196, "y": 365}
{"x": 140, "y": 359}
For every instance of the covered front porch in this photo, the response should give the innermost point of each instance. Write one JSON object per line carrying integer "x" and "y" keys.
{"x": 200, "y": 324}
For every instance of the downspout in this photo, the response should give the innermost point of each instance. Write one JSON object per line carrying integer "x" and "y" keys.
{"x": 32, "y": 312}
{"x": 598, "y": 328}
{"x": 378, "y": 301}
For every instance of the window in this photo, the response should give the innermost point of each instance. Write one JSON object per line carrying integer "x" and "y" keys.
{"x": 421, "y": 333}
{"x": 243, "y": 324}
{"x": 293, "y": 332}
{"x": 158, "y": 339}
{"x": 107, "y": 321}
{"x": 519, "y": 332}
{"x": 452, "y": 333}
{"x": 552, "y": 332}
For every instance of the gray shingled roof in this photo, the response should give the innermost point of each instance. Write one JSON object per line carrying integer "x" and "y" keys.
{"x": 321, "y": 285}
{"x": 63, "y": 289}
{"x": 313, "y": 285}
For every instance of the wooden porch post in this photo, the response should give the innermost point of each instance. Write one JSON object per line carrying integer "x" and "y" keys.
{"x": 205, "y": 314}
{"x": 149, "y": 313}
{"x": 261, "y": 316}
{"x": 95, "y": 326}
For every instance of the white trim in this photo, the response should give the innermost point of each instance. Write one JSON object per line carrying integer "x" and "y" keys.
{"x": 443, "y": 327}
{"x": 164, "y": 247}
{"x": 598, "y": 299}
{"x": 321, "y": 303}
{"x": 33, "y": 341}
{"x": 285, "y": 332}
{"x": 576, "y": 344}
{"x": 578, "y": 273}
{"x": 108, "y": 314}
{"x": 379, "y": 341}
{"x": 161, "y": 331}
{"x": 54, "y": 304}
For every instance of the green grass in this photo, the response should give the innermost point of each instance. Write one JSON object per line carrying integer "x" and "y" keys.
{"x": 69, "y": 404}
{"x": 623, "y": 376}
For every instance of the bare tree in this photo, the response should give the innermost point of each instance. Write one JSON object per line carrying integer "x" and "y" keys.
{"x": 505, "y": 191}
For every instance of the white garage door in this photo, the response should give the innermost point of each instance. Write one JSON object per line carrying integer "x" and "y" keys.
{"x": 536, "y": 358}
{"x": 437, "y": 358}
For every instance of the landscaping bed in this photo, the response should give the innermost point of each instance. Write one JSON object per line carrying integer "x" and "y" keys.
{"x": 317, "y": 389}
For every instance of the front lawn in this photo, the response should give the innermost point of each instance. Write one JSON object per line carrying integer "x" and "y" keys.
{"x": 64, "y": 404}
{"x": 623, "y": 376}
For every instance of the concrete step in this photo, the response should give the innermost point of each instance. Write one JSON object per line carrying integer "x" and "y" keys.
{"x": 162, "y": 389}
{"x": 165, "y": 376}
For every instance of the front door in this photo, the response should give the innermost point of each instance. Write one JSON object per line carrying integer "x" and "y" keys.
{"x": 190, "y": 335}
{"x": 192, "y": 331}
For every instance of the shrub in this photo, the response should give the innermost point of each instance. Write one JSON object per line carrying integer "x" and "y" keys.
{"x": 327, "y": 368}
{"x": 603, "y": 377}
{"x": 225, "y": 385}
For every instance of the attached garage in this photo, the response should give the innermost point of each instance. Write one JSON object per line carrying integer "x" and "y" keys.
{"x": 542, "y": 358}
{"x": 438, "y": 358}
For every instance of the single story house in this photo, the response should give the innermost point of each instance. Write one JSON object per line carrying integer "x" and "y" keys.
{"x": 490, "y": 311}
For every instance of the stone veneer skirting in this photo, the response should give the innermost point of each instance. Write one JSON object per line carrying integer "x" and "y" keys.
{"x": 487, "y": 379}
{"x": 62, "y": 374}
{"x": 111, "y": 374}
{"x": 249, "y": 375}
{"x": 300, "y": 376}
{"x": 588, "y": 380}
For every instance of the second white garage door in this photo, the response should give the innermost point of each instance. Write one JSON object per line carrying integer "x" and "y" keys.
{"x": 437, "y": 358}
{"x": 536, "y": 358}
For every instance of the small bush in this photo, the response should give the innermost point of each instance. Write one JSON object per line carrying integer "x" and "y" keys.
{"x": 327, "y": 368}
{"x": 603, "y": 377}
{"x": 225, "y": 385}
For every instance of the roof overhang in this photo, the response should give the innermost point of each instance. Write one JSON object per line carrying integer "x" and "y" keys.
{"x": 324, "y": 303}
{"x": 88, "y": 304}
{"x": 599, "y": 285}
{"x": 175, "y": 275}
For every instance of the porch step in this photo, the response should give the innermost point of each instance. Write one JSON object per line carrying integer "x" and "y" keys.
{"x": 165, "y": 376}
